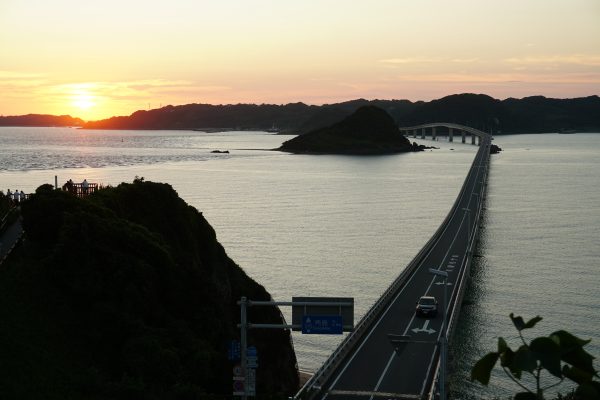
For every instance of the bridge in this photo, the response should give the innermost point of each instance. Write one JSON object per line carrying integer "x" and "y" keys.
{"x": 391, "y": 353}
{"x": 449, "y": 127}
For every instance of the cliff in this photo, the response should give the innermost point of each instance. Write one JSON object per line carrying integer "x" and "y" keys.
{"x": 128, "y": 294}
{"x": 369, "y": 130}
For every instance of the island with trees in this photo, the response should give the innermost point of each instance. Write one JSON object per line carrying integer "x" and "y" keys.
{"x": 369, "y": 130}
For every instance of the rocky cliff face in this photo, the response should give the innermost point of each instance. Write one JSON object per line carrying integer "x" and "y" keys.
{"x": 128, "y": 294}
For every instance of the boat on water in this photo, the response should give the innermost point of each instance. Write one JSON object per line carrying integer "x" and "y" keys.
{"x": 272, "y": 129}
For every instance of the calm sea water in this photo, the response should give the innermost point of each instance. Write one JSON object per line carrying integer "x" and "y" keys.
{"x": 346, "y": 226}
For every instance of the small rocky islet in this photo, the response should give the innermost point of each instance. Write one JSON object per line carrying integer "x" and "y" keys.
{"x": 370, "y": 130}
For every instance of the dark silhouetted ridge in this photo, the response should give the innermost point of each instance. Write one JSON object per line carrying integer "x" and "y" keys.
{"x": 127, "y": 294}
{"x": 40, "y": 120}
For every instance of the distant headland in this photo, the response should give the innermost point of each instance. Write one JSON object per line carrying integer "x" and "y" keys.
{"x": 536, "y": 114}
{"x": 41, "y": 120}
{"x": 125, "y": 293}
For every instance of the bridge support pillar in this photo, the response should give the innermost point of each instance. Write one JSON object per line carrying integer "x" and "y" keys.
{"x": 478, "y": 140}
{"x": 463, "y": 136}
{"x": 433, "y": 133}
{"x": 423, "y": 133}
{"x": 414, "y": 133}
{"x": 472, "y": 139}
{"x": 450, "y": 135}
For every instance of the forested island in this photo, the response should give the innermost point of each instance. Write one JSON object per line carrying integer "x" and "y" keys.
{"x": 536, "y": 114}
{"x": 369, "y": 130}
{"x": 127, "y": 294}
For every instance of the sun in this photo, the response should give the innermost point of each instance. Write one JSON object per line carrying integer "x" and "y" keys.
{"x": 83, "y": 100}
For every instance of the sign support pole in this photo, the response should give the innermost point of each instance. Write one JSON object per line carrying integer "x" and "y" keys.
{"x": 244, "y": 343}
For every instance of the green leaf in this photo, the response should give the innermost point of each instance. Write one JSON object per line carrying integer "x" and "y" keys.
{"x": 572, "y": 351}
{"x": 483, "y": 368}
{"x": 548, "y": 353}
{"x": 567, "y": 341}
{"x": 581, "y": 359}
{"x": 525, "y": 396}
{"x": 588, "y": 391}
{"x": 507, "y": 357}
{"x": 531, "y": 323}
{"x": 518, "y": 322}
{"x": 577, "y": 375}
{"x": 502, "y": 346}
{"x": 524, "y": 360}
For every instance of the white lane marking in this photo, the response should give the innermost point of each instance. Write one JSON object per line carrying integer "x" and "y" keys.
{"x": 400, "y": 292}
{"x": 425, "y": 328}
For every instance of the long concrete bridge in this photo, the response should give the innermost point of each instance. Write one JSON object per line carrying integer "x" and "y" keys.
{"x": 392, "y": 354}
{"x": 448, "y": 128}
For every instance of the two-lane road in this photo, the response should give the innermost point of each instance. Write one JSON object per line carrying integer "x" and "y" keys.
{"x": 374, "y": 369}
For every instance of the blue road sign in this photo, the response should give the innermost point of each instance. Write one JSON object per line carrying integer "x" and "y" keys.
{"x": 251, "y": 351}
{"x": 234, "y": 351}
{"x": 322, "y": 324}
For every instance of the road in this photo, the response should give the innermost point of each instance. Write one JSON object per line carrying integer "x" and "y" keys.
{"x": 9, "y": 238}
{"x": 374, "y": 369}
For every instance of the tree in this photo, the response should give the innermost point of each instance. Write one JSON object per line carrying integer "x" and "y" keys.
{"x": 560, "y": 354}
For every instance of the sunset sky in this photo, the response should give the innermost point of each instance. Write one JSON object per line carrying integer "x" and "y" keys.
{"x": 96, "y": 59}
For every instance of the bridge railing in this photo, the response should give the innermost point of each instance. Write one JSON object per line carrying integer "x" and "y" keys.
{"x": 323, "y": 374}
{"x": 452, "y": 125}
{"x": 466, "y": 271}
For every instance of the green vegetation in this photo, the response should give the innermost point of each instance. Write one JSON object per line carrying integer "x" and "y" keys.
{"x": 369, "y": 130}
{"x": 560, "y": 355}
{"x": 127, "y": 294}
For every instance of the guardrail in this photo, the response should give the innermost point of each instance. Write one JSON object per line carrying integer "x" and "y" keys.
{"x": 465, "y": 271}
{"x": 322, "y": 374}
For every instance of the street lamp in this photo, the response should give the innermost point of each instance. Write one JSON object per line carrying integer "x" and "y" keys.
{"x": 443, "y": 339}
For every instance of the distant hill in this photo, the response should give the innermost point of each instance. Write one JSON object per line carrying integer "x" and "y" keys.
{"x": 127, "y": 294}
{"x": 369, "y": 130}
{"x": 40, "y": 120}
{"x": 531, "y": 114}
{"x": 528, "y": 115}
{"x": 207, "y": 116}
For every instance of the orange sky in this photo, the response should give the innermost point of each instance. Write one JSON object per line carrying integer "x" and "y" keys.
{"x": 98, "y": 59}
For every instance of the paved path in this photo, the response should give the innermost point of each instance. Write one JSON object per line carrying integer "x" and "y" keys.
{"x": 9, "y": 238}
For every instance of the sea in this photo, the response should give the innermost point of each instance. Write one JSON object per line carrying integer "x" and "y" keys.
{"x": 346, "y": 226}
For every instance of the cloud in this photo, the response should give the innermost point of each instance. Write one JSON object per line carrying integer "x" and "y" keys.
{"x": 410, "y": 60}
{"x": 428, "y": 60}
{"x": 592, "y": 60}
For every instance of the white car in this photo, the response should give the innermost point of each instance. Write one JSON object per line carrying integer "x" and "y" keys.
{"x": 426, "y": 306}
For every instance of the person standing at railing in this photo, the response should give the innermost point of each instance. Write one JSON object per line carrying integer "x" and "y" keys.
{"x": 85, "y": 185}
{"x": 16, "y": 196}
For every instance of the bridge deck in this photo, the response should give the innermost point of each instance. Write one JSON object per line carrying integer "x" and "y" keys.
{"x": 373, "y": 369}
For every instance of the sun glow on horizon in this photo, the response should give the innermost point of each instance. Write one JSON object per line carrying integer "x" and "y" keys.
{"x": 102, "y": 59}
{"x": 84, "y": 101}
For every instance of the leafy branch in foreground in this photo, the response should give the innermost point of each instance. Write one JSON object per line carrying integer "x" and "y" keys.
{"x": 560, "y": 354}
